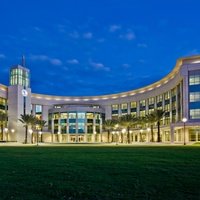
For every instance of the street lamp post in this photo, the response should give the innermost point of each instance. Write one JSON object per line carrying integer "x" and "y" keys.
{"x": 184, "y": 120}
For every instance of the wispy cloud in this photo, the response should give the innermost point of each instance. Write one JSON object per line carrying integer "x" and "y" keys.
{"x": 125, "y": 65}
{"x": 128, "y": 36}
{"x": 36, "y": 28}
{"x": 114, "y": 28}
{"x": 2, "y": 56}
{"x": 141, "y": 61}
{"x": 73, "y": 61}
{"x": 142, "y": 45}
{"x": 99, "y": 66}
{"x": 88, "y": 35}
{"x": 74, "y": 34}
{"x": 101, "y": 40}
{"x": 53, "y": 61}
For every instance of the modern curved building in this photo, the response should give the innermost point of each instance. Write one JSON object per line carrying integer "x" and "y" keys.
{"x": 79, "y": 119}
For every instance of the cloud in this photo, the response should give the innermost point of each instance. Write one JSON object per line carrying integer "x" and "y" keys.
{"x": 55, "y": 61}
{"x": 37, "y": 29}
{"x": 101, "y": 40}
{"x": 74, "y": 34}
{"x": 44, "y": 58}
{"x": 141, "y": 61}
{"x": 87, "y": 35}
{"x": 125, "y": 65}
{"x": 128, "y": 36}
{"x": 2, "y": 56}
{"x": 99, "y": 66}
{"x": 142, "y": 45}
{"x": 114, "y": 28}
{"x": 73, "y": 61}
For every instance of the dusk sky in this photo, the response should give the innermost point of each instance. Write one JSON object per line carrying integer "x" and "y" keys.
{"x": 94, "y": 47}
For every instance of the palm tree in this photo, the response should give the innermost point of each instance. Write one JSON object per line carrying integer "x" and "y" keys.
{"x": 27, "y": 120}
{"x": 127, "y": 121}
{"x": 150, "y": 118}
{"x": 3, "y": 120}
{"x": 141, "y": 121}
{"x": 41, "y": 124}
{"x": 109, "y": 125}
{"x": 158, "y": 115}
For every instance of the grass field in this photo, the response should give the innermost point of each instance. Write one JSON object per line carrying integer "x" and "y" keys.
{"x": 100, "y": 172}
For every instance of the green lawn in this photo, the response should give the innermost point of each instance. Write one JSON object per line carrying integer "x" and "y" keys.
{"x": 75, "y": 172}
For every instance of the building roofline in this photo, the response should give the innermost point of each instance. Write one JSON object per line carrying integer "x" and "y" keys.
{"x": 157, "y": 84}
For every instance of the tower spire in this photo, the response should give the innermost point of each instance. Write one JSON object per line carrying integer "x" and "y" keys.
{"x": 23, "y": 61}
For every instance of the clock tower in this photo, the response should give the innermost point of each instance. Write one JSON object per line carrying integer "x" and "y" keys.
{"x": 19, "y": 95}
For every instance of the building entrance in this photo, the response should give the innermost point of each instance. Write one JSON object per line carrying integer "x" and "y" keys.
{"x": 76, "y": 138}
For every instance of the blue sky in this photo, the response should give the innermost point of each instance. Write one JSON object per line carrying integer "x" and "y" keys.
{"x": 93, "y": 47}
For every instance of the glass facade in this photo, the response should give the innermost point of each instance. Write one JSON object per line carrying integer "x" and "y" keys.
{"x": 194, "y": 94}
{"x": 76, "y": 122}
{"x": 19, "y": 76}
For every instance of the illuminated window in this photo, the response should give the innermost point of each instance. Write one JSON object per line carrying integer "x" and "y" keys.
{"x": 194, "y": 96}
{"x": 142, "y": 105}
{"x": 195, "y": 114}
{"x": 194, "y": 79}
{"x": 124, "y": 108}
{"x": 72, "y": 115}
{"x": 134, "y": 108}
{"x": 81, "y": 127}
{"x": 19, "y": 76}
{"x": 38, "y": 109}
{"x": 63, "y": 115}
{"x": 115, "y": 109}
{"x": 166, "y": 95}
{"x": 142, "y": 113}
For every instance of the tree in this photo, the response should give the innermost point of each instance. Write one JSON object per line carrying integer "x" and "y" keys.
{"x": 158, "y": 115}
{"x": 3, "y": 120}
{"x": 141, "y": 121}
{"x": 108, "y": 125}
{"x": 150, "y": 118}
{"x": 27, "y": 120}
{"x": 127, "y": 121}
{"x": 41, "y": 124}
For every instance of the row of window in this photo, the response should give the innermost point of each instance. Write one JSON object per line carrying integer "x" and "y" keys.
{"x": 75, "y": 115}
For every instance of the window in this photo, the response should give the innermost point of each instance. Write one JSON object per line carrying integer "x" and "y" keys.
{"x": 38, "y": 109}
{"x": 194, "y": 79}
{"x": 166, "y": 95}
{"x": 115, "y": 109}
{"x": 194, "y": 96}
{"x": 19, "y": 77}
{"x": 195, "y": 114}
{"x": 63, "y": 115}
{"x": 81, "y": 127}
{"x": 72, "y": 115}
{"x": 142, "y": 113}
{"x": 124, "y": 107}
